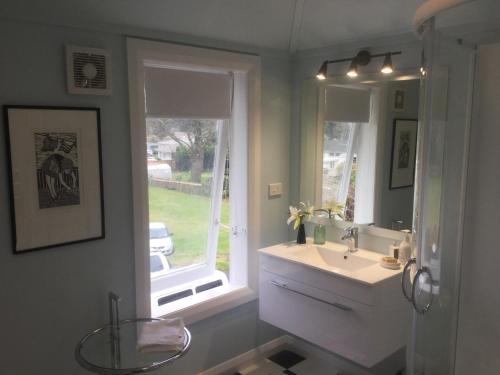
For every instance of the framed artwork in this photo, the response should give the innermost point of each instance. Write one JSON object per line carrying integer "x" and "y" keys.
{"x": 399, "y": 100}
{"x": 55, "y": 170}
{"x": 404, "y": 147}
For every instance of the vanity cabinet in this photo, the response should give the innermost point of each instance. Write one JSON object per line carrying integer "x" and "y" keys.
{"x": 363, "y": 322}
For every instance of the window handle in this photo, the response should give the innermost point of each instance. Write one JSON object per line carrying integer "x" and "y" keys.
{"x": 235, "y": 230}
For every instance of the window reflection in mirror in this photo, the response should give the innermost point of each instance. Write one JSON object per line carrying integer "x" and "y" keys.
{"x": 339, "y": 166}
{"x": 356, "y": 156}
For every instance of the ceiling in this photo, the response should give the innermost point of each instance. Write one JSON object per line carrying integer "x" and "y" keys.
{"x": 280, "y": 24}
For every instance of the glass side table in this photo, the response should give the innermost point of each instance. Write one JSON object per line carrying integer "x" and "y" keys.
{"x": 112, "y": 349}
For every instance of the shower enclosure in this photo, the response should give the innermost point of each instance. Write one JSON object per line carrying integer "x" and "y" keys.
{"x": 450, "y": 31}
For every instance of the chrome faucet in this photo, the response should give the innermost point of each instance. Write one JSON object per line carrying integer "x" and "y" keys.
{"x": 351, "y": 235}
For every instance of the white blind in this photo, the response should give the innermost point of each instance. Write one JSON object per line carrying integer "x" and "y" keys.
{"x": 345, "y": 104}
{"x": 177, "y": 93}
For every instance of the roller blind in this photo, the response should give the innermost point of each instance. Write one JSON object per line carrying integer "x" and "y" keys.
{"x": 345, "y": 104}
{"x": 177, "y": 93}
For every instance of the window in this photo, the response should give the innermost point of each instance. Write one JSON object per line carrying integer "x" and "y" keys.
{"x": 339, "y": 166}
{"x": 349, "y": 136}
{"x": 193, "y": 125}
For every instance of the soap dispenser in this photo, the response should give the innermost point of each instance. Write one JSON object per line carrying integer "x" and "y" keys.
{"x": 405, "y": 247}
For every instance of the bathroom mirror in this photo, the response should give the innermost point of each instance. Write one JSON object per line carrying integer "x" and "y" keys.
{"x": 358, "y": 147}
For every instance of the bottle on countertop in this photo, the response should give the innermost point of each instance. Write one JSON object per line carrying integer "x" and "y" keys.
{"x": 394, "y": 250}
{"x": 405, "y": 247}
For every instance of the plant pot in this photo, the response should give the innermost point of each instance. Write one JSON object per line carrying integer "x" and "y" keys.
{"x": 301, "y": 234}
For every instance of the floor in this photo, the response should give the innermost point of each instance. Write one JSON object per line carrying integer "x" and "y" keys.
{"x": 301, "y": 358}
{"x": 286, "y": 362}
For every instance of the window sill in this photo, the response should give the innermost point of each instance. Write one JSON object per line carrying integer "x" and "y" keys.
{"x": 207, "y": 304}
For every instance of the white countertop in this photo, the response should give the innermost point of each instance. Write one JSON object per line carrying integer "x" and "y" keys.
{"x": 362, "y": 266}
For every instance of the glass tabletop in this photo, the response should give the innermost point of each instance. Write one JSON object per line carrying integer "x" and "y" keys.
{"x": 96, "y": 351}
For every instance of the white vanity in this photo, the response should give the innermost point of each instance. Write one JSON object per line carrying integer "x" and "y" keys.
{"x": 346, "y": 303}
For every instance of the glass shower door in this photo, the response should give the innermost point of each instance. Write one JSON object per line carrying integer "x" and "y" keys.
{"x": 432, "y": 283}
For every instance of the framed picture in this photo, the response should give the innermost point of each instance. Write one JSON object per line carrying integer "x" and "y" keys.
{"x": 399, "y": 100}
{"x": 54, "y": 158}
{"x": 404, "y": 147}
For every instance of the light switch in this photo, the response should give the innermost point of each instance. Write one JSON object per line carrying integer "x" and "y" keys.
{"x": 275, "y": 189}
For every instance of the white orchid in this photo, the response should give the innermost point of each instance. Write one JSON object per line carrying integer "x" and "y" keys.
{"x": 299, "y": 214}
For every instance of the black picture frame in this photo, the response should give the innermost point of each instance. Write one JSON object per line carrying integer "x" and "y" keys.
{"x": 403, "y": 153}
{"x": 399, "y": 99}
{"x": 54, "y": 162}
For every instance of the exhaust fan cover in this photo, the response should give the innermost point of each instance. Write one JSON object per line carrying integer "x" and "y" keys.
{"x": 88, "y": 70}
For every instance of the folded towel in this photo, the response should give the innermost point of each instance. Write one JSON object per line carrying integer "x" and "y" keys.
{"x": 161, "y": 336}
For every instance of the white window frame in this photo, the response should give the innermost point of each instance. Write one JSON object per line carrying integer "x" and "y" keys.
{"x": 244, "y": 288}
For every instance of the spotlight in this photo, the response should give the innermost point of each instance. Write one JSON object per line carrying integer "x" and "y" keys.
{"x": 353, "y": 69}
{"x": 387, "y": 65}
{"x": 322, "y": 72}
{"x": 361, "y": 59}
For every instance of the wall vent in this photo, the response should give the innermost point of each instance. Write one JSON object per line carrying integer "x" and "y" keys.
{"x": 88, "y": 70}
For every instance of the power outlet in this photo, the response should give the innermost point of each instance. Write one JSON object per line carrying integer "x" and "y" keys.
{"x": 275, "y": 189}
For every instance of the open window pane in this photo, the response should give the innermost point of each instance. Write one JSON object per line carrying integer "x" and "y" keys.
{"x": 222, "y": 259}
{"x": 339, "y": 165}
{"x": 181, "y": 175}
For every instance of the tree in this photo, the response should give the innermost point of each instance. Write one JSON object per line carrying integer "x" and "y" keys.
{"x": 198, "y": 136}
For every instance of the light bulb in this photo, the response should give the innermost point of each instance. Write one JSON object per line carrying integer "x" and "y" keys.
{"x": 322, "y": 72}
{"x": 387, "y": 65}
{"x": 353, "y": 69}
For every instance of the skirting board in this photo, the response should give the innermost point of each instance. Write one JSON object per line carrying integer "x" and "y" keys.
{"x": 248, "y": 356}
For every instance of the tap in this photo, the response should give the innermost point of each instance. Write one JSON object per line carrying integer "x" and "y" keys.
{"x": 351, "y": 235}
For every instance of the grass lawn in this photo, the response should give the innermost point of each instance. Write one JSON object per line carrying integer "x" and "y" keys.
{"x": 186, "y": 216}
{"x": 186, "y": 176}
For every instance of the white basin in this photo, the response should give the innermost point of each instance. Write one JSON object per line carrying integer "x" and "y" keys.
{"x": 362, "y": 266}
{"x": 333, "y": 258}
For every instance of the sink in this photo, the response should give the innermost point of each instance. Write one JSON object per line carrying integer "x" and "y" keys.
{"x": 340, "y": 304}
{"x": 333, "y": 258}
{"x": 362, "y": 266}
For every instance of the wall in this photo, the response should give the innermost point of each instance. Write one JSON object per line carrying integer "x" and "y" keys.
{"x": 51, "y": 298}
{"x": 397, "y": 204}
{"x": 479, "y": 326}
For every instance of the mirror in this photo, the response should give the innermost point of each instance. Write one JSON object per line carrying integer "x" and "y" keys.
{"x": 358, "y": 147}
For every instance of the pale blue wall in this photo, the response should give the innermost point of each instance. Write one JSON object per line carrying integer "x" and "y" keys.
{"x": 397, "y": 204}
{"x": 50, "y": 298}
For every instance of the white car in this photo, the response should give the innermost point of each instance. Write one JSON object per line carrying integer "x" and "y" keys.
{"x": 160, "y": 171}
{"x": 158, "y": 264}
{"x": 160, "y": 239}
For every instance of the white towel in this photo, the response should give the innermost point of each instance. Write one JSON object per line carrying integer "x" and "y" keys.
{"x": 162, "y": 336}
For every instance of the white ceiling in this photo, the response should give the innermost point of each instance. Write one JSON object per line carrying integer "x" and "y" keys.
{"x": 262, "y": 23}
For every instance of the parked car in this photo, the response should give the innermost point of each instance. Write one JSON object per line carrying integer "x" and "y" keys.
{"x": 160, "y": 239}
{"x": 158, "y": 264}
{"x": 161, "y": 171}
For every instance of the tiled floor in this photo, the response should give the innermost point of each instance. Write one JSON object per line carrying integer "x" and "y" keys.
{"x": 286, "y": 362}
{"x": 311, "y": 360}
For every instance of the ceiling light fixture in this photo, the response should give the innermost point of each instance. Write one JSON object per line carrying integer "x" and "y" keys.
{"x": 323, "y": 71}
{"x": 387, "y": 65}
{"x": 361, "y": 59}
{"x": 353, "y": 69}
